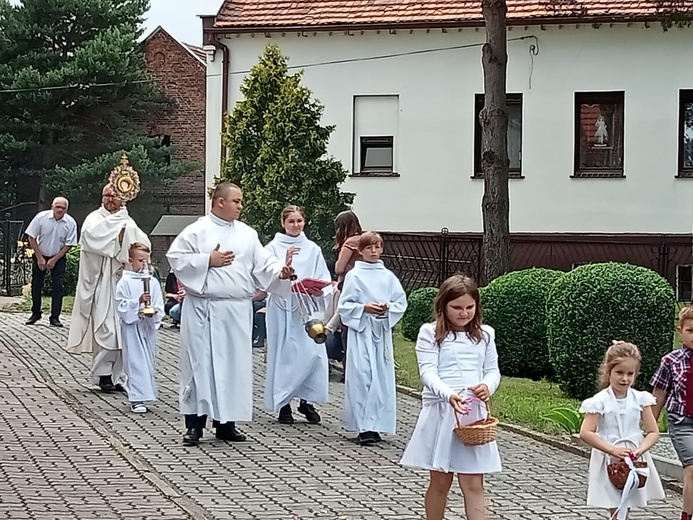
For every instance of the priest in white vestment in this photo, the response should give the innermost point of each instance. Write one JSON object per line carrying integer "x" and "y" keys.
{"x": 220, "y": 263}
{"x": 371, "y": 304}
{"x": 107, "y": 234}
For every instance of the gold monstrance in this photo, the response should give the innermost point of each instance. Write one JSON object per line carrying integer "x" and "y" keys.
{"x": 125, "y": 181}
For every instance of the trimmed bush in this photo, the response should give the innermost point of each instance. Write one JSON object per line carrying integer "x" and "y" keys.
{"x": 597, "y": 303}
{"x": 71, "y": 273}
{"x": 515, "y": 306}
{"x": 419, "y": 311}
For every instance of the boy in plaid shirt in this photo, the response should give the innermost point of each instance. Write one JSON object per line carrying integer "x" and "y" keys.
{"x": 673, "y": 389}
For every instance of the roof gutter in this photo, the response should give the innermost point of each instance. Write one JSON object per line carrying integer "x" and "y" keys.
{"x": 452, "y": 24}
{"x": 209, "y": 38}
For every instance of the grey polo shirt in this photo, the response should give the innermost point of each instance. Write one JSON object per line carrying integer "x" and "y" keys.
{"x": 52, "y": 235}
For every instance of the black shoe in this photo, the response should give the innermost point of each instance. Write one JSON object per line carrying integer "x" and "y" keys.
{"x": 285, "y": 415}
{"x": 55, "y": 322}
{"x": 377, "y": 437}
{"x": 308, "y": 410}
{"x": 119, "y": 388}
{"x": 366, "y": 439}
{"x": 192, "y": 437}
{"x": 228, "y": 432}
{"x": 106, "y": 384}
{"x": 32, "y": 319}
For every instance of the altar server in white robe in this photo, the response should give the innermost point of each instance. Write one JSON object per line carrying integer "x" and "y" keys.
{"x": 138, "y": 329}
{"x": 220, "y": 263}
{"x": 107, "y": 234}
{"x": 458, "y": 364}
{"x": 371, "y": 304}
{"x": 297, "y": 367}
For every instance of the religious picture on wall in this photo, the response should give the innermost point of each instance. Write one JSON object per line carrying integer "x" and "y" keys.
{"x": 602, "y": 133}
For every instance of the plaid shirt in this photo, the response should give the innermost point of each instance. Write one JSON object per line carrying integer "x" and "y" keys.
{"x": 671, "y": 377}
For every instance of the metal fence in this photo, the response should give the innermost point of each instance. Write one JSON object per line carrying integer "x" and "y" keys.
{"x": 15, "y": 268}
{"x": 426, "y": 259}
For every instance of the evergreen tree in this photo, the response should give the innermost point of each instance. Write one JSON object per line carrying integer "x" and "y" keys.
{"x": 277, "y": 152}
{"x": 58, "y": 131}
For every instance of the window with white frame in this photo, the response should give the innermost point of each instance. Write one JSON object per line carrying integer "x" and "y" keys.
{"x": 514, "y": 106}
{"x": 376, "y": 121}
{"x": 686, "y": 133}
{"x": 599, "y": 134}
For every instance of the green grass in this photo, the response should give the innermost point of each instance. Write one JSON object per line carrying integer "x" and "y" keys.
{"x": 25, "y": 305}
{"x": 518, "y": 401}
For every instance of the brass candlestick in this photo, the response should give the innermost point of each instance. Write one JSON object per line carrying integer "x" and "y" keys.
{"x": 148, "y": 311}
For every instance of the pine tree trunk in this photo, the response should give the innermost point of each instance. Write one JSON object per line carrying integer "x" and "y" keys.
{"x": 495, "y": 204}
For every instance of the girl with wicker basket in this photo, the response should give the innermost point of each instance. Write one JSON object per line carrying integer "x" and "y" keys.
{"x": 458, "y": 364}
{"x": 621, "y": 474}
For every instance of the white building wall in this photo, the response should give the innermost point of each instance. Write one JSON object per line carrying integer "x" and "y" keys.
{"x": 213, "y": 117}
{"x": 435, "y": 143}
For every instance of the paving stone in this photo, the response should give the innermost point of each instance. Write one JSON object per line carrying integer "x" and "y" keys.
{"x": 314, "y": 471}
{"x": 44, "y": 474}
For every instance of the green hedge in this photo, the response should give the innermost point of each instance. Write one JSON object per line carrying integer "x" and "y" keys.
{"x": 597, "y": 303}
{"x": 515, "y": 306}
{"x": 71, "y": 273}
{"x": 419, "y": 311}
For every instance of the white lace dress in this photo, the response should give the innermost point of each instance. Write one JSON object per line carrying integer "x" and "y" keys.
{"x": 619, "y": 425}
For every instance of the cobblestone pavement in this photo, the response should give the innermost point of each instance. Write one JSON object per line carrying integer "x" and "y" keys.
{"x": 53, "y": 465}
{"x": 307, "y": 470}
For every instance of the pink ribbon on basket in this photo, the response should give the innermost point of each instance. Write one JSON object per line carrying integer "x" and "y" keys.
{"x": 632, "y": 483}
{"x": 467, "y": 402}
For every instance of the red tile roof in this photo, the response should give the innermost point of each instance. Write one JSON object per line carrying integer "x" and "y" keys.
{"x": 199, "y": 52}
{"x": 278, "y": 14}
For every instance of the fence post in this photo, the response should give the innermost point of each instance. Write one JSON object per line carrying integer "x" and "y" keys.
{"x": 6, "y": 255}
{"x": 444, "y": 253}
{"x": 664, "y": 261}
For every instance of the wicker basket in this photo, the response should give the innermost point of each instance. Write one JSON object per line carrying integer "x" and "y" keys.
{"x": 618, "y": 473}
{"x": 478, "y": 433}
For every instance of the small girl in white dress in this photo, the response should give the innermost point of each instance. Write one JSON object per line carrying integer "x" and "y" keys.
{"x": 458, "y": 364}
{"x": 612, "y": 428}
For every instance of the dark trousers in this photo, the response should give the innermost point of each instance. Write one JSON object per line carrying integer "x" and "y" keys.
{"x": 200, "y": 421}
{"x": 259, "y": 327}
{"x": 57, "y": 281}
{"x": 345, "y": 335}
{"x": 334, "y": 347}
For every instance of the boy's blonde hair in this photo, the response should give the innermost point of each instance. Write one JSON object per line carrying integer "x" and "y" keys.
{"x": 370, "y": 238}
{"x": 138, "y": 246}
{"x": 617, "y": 352}
{"x": 685, "y": 314}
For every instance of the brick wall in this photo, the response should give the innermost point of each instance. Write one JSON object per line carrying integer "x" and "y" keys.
{"x": 181, "y": 77}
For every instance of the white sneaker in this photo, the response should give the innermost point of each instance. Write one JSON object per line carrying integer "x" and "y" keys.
{"x": 138, "y": 408}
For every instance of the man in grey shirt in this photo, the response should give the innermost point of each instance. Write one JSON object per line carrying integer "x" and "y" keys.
{"x": 52, "y": 233}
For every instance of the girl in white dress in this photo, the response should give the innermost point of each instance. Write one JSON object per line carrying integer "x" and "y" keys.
{"x": 458, "y": 364}
{"x": 612, "y": 428}
{"x": 296, "y": 365}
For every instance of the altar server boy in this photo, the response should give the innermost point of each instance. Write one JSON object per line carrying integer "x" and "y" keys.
{"x": 371, "y": 304}
{"x": 138, "y": 330}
